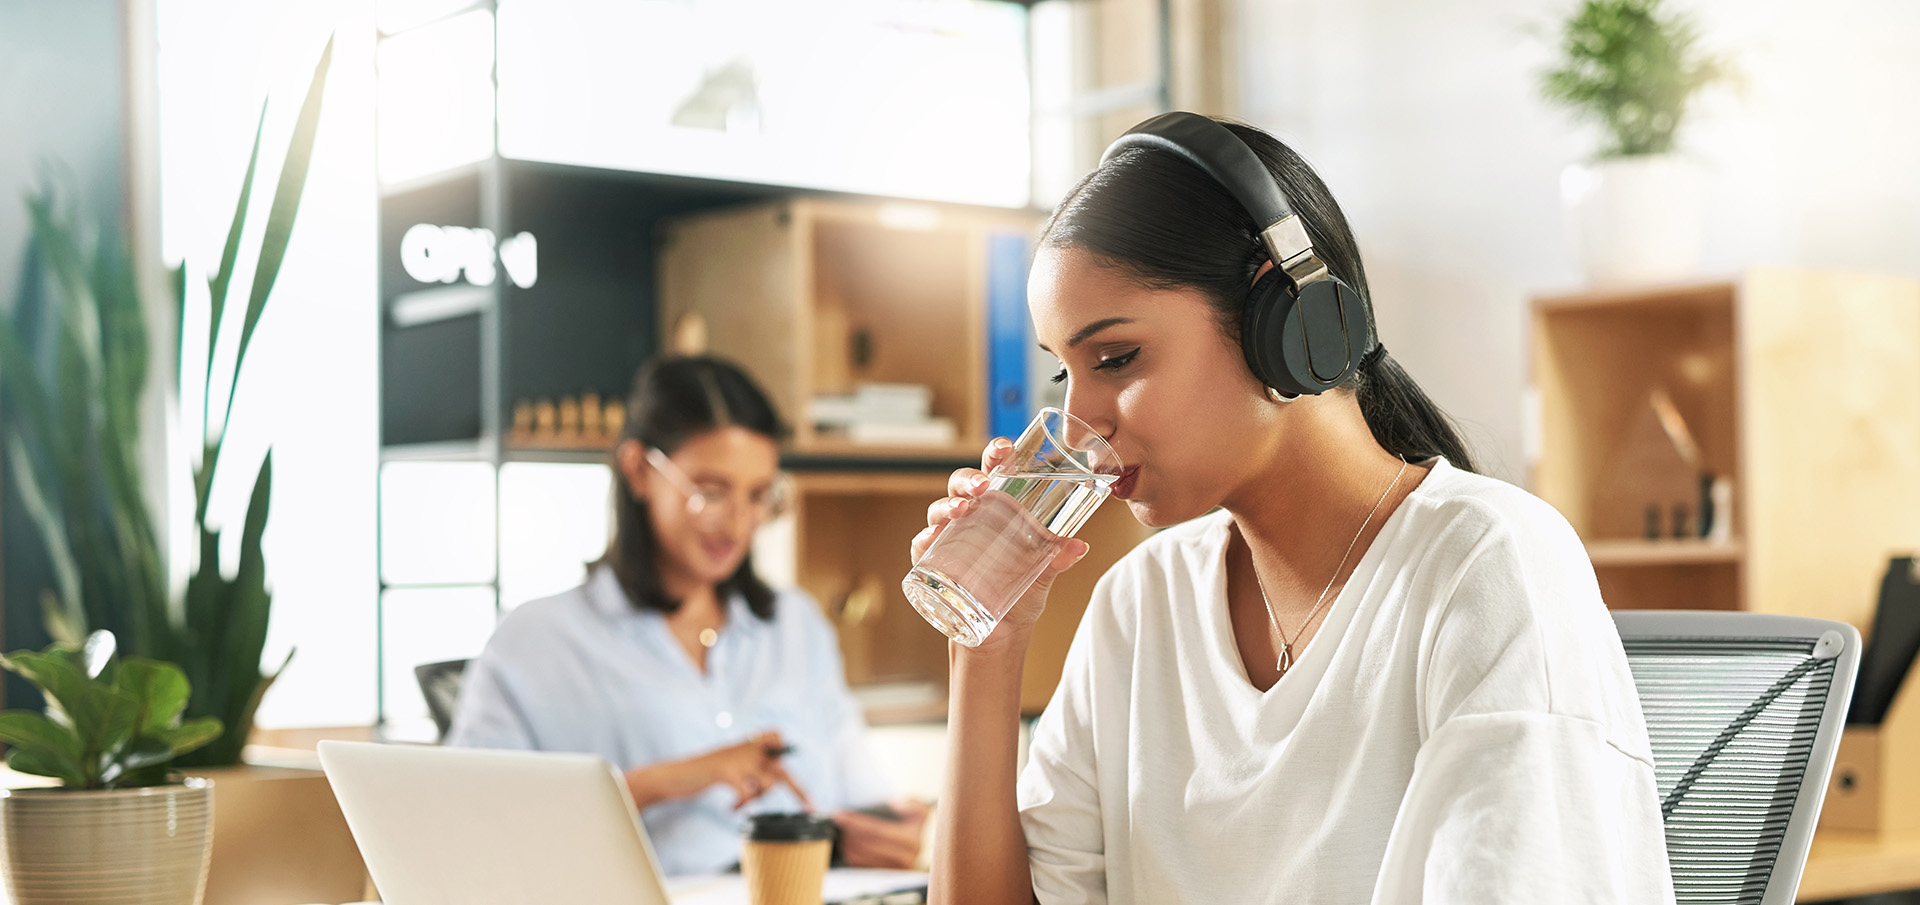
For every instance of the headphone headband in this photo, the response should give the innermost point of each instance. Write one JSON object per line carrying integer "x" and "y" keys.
{"x": 1304, "y": 331}
{"x": 1222, "y": 155}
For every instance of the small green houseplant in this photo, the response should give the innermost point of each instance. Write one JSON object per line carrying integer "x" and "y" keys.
{"x": 1633, "y": 67}
{"x": 120, "y": 827}
{"x": 110, "y": 723}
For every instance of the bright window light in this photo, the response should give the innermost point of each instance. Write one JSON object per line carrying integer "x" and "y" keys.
{"x": 554, "y": 519}
{"x": 428, "y": 625}
{"x": 395, "y": 16}
{"x": 436, "y": 522}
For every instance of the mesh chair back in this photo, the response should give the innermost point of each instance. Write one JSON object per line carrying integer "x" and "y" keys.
{"x": 440, "y": 685}
{"x": 1744, "y": 711}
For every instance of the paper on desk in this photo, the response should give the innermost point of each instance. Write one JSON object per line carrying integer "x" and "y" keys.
{"x": 843, "y": 884}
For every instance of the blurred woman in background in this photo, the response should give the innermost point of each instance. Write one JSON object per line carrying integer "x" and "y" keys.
{"x": 716, "y": 694}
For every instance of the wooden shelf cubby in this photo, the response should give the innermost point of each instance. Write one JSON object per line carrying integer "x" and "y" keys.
{"x": 1802, "y": 387}
{"x": 815, "y": 296}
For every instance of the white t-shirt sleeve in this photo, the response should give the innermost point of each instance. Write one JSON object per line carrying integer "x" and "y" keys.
{"x": 1533, "y": 782}
{"x": 1059, "y": 790}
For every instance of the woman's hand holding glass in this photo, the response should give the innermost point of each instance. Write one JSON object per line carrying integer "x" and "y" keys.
{"x": 964, "y": 487}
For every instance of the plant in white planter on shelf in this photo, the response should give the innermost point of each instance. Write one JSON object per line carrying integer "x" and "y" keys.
{"x": 120, "y": 826}
{"x": 1632, "y": 67}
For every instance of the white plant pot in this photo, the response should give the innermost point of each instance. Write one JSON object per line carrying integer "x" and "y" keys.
{"x": 146, "y": 846}
{"x": 1636, "y": 219}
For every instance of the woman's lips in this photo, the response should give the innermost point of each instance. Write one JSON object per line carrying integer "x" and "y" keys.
{"x": 1129, "y": 476}
{"x": 719, "y": 550}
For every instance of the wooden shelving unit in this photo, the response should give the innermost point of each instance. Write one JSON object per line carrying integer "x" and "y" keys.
{"x": 1802, "y": 387}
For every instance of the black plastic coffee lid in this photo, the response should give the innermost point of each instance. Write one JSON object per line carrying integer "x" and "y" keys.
{"x": 788, "y": 828}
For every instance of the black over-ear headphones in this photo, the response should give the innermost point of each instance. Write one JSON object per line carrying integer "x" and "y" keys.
{"x": 1304, "y": 331}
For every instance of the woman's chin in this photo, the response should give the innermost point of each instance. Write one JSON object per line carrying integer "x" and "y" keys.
{"x": 1152, "y": 516}
{"x": 717, "y": 566}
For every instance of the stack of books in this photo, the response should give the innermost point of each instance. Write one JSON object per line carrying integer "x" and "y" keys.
{"x": 883, "y": 414}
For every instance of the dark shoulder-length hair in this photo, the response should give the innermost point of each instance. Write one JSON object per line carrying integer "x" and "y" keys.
{"x": 1168, "y": 225}
{"x": 676, "y": 398}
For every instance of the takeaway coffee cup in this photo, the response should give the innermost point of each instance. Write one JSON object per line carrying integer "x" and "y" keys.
{"x": 784, "y": 858}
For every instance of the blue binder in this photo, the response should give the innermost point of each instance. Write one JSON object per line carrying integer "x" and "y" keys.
{"x": 1009, "y": 336}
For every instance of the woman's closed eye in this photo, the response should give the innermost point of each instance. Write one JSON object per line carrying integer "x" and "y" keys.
{"x": 1112, "y": 363}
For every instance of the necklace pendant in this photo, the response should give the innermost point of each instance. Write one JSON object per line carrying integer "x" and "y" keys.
{"x": 1286, "y": 657}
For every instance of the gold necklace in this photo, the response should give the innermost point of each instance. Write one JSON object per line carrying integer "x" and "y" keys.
{"x": 1286, "y": 645}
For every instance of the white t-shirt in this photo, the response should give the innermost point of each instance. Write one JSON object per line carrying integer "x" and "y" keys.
{"x": 1463, "y": 729}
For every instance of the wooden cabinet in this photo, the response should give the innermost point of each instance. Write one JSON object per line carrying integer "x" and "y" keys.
{"x": 1801, "y": 387}
{"x": 817, "y": 296}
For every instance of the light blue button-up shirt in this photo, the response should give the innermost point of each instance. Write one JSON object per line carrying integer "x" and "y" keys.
{"x": 586, "y": 671}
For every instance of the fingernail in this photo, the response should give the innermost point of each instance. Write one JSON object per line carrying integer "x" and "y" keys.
{"x": 977, "y": 481}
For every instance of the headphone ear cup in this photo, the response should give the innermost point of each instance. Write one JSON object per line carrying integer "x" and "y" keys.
{"x": 1270, "y": 305}
{"x": 1326, "y": 335}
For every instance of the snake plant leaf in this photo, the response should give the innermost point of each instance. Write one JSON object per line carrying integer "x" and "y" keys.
{"x": 250, "y": 604}
{"x": 227, "y": 749}
{"x": 60, "y": 626}
{"x": 25, "y": 730}
{"x": 60, "y": 251}
{"x": 177, "y": 280}
{"x": 232, "y": 683}
{"x": 203, "y": 588}
{"x": 280, "y": 214}
{"x": 124, "y": 346}
{"x": 39, "y": 763}
{"x": 26, "y": 396}
{"x": 217, "y": 285}
{"x": 53, "y": 530}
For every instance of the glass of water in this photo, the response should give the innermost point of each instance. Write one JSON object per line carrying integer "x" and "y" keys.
{"x": 1058, "y": 474}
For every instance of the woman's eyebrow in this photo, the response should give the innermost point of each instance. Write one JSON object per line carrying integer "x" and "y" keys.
{"x": 1089, "y": 330}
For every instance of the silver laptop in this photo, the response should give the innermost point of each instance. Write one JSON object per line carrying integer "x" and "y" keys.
{"x": 443, "y": 825}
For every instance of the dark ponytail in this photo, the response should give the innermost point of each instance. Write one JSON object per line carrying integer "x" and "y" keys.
{"x": 1166, "y": 224}
{"x": 676, "y": 398}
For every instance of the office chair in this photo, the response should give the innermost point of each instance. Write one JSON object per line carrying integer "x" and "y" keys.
{"x": 440, "y": 685}
{"x": 1745, "y": 712}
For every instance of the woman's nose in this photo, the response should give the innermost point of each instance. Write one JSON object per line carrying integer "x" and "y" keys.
{"x": 1096, "y": 412}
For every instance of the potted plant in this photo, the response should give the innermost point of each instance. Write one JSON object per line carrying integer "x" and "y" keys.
{"x": 73, "y": 367}
{"x": 1633, "y": 67}
{"x": 120, "y": 826}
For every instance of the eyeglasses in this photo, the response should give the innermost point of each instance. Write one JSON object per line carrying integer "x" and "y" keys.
{"x": 714, "y": 506}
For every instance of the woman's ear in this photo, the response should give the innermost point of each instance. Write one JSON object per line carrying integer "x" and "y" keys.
{"x": 630, "y": 459}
